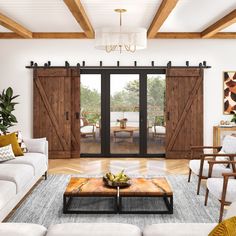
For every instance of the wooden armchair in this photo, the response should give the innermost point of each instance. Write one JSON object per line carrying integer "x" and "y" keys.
{"x": 224, "y": 189}
{"x": 197, "y": 165}
{"x": 87, "y": 129}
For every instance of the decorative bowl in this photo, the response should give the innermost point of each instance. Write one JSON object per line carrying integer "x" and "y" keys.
{"x": 116, "y": 184}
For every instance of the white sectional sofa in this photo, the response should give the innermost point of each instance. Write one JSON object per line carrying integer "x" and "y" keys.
{"x": 18, "y": 176}
{"x": 112, "y": 229}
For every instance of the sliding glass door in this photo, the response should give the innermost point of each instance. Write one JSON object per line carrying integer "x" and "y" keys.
{"x": 125, "y": 110}
{"x": 124, "y": 113}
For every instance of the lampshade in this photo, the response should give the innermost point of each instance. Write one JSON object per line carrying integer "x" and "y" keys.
{"x": 120, "y": 38}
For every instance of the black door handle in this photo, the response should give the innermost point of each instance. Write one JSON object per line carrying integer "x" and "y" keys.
{"x": 77, "y": 115}
{"x": 168, "y": 115}
{"x": 67, "y": 115}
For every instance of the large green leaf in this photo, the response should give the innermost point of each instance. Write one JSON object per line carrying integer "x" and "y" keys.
{"x": 9, "y": 92}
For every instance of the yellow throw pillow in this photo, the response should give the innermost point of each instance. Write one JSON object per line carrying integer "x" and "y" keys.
{"x": 11, "y": 139}
{"x": 225, "y": 228}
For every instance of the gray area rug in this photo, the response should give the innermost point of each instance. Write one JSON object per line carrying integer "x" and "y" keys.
{"x": 44, "y": 205}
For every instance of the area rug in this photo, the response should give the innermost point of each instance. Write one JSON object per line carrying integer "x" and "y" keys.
{"x": 44, "y": 206}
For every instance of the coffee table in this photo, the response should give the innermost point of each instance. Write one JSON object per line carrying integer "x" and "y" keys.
{"x": 130, "y": 130}
{"x": 140, "y": 187}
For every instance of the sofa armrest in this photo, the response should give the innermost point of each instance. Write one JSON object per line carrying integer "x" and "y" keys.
{"x": 38, "y": 145}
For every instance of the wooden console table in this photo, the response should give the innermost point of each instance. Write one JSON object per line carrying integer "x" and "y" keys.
{"x": 220, "y": 132}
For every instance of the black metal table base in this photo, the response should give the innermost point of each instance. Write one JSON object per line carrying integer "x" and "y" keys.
{"x": 67, "y": 203}
{"x": 168, "y": 200}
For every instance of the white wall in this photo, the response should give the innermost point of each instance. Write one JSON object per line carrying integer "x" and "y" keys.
{"x": 16, "y": 54}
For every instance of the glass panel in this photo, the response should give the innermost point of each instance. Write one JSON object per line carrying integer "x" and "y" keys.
{"x": 124, "y": 113}
{"x": 90, "y": 112}
{"x": 156, "y": 87}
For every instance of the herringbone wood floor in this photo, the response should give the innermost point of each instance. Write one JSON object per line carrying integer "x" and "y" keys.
{"x": 93, "y": 166}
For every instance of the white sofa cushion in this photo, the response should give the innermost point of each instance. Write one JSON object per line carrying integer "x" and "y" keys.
{"x": 7, "y": 192}
{"x": 132, "y": 116}
{"x": 94, "y": 229}
{"x": 21, "y": 175}
{"x": 37, "y": 160}
{"x": 22, "y": 229}
{"x": 218, "y": 169}
{"x": 215, "y": 186}
{"x": 116, "y": 115}
{"x": 181, "y": 229}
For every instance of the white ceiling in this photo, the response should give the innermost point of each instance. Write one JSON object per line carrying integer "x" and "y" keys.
{"x": 54, "y": 16}
{"x": 41, "y": 15}
{"x": 196, "y": 15}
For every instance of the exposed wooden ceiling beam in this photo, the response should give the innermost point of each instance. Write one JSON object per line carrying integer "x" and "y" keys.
{"x": 219, "y": 25}
{"x": 80, "y": 15}
{"x": 81, "y": 35}
{"x": 59, "y": 35}
{"x": 14, "y": 26}
{"x": 193, "y": 35}
{"x": 163, "y": 12}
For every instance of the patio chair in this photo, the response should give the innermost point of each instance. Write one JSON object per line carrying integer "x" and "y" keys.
{"x": 158, "y": 131}
{"x": 224, "y": 189}
{"x": 200, "y": 166}
{"x": 87, "y": 129}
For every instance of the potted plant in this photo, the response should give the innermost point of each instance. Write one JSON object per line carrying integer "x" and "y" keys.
{"x": 7, "y": 106}
{"x": 234, "y": 118}
{"x": 122, "y": 123}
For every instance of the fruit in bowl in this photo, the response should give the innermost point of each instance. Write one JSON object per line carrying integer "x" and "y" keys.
{"x": 117, "y": 180}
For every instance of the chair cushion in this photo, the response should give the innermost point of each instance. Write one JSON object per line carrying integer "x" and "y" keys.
{"x": 94, "y": 229}
{"x": 180, "y": 229}
{"x": 18, "y": 174}
{"x": 87, "y": 129}
{"x": 229, "y": 144}
{"x": 7, "y": 192}
{"x": 215, "y": 186}
{"x": 223, "y": 158}
{"x": 22, "y": 229}
{"x": 218, "y": 169}
{"x": 159, "y": 129}
{"x": 37, "y": 160}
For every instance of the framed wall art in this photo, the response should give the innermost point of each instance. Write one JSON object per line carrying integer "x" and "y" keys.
{"x": 229, "y": 92}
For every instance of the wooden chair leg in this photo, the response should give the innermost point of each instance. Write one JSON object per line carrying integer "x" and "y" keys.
{"x": 189, "y": 175}
{"x": 206, "y": 197}
{"x": 199, "y": 184}
{"x": 223, "y": 197}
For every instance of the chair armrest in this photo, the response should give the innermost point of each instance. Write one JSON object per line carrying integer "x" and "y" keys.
{"x": 213, "y": 162}
{"x": 229, "y": 174}
{"x": 205, "y": 147}
{"x": 219, "y": 155}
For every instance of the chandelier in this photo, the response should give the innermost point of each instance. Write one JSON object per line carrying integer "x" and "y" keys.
{"x": 120, "y": 38}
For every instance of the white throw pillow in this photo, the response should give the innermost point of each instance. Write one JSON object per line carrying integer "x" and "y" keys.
{"x": 229, "y": 144}
{"x": 36, "y": 145}
{"x": 6, "y": 153}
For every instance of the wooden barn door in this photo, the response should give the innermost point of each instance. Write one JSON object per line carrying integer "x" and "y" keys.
{"x": 52, "y": 109}
{"x": 184, "y": 111}
{"x": 75, "y": 113}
